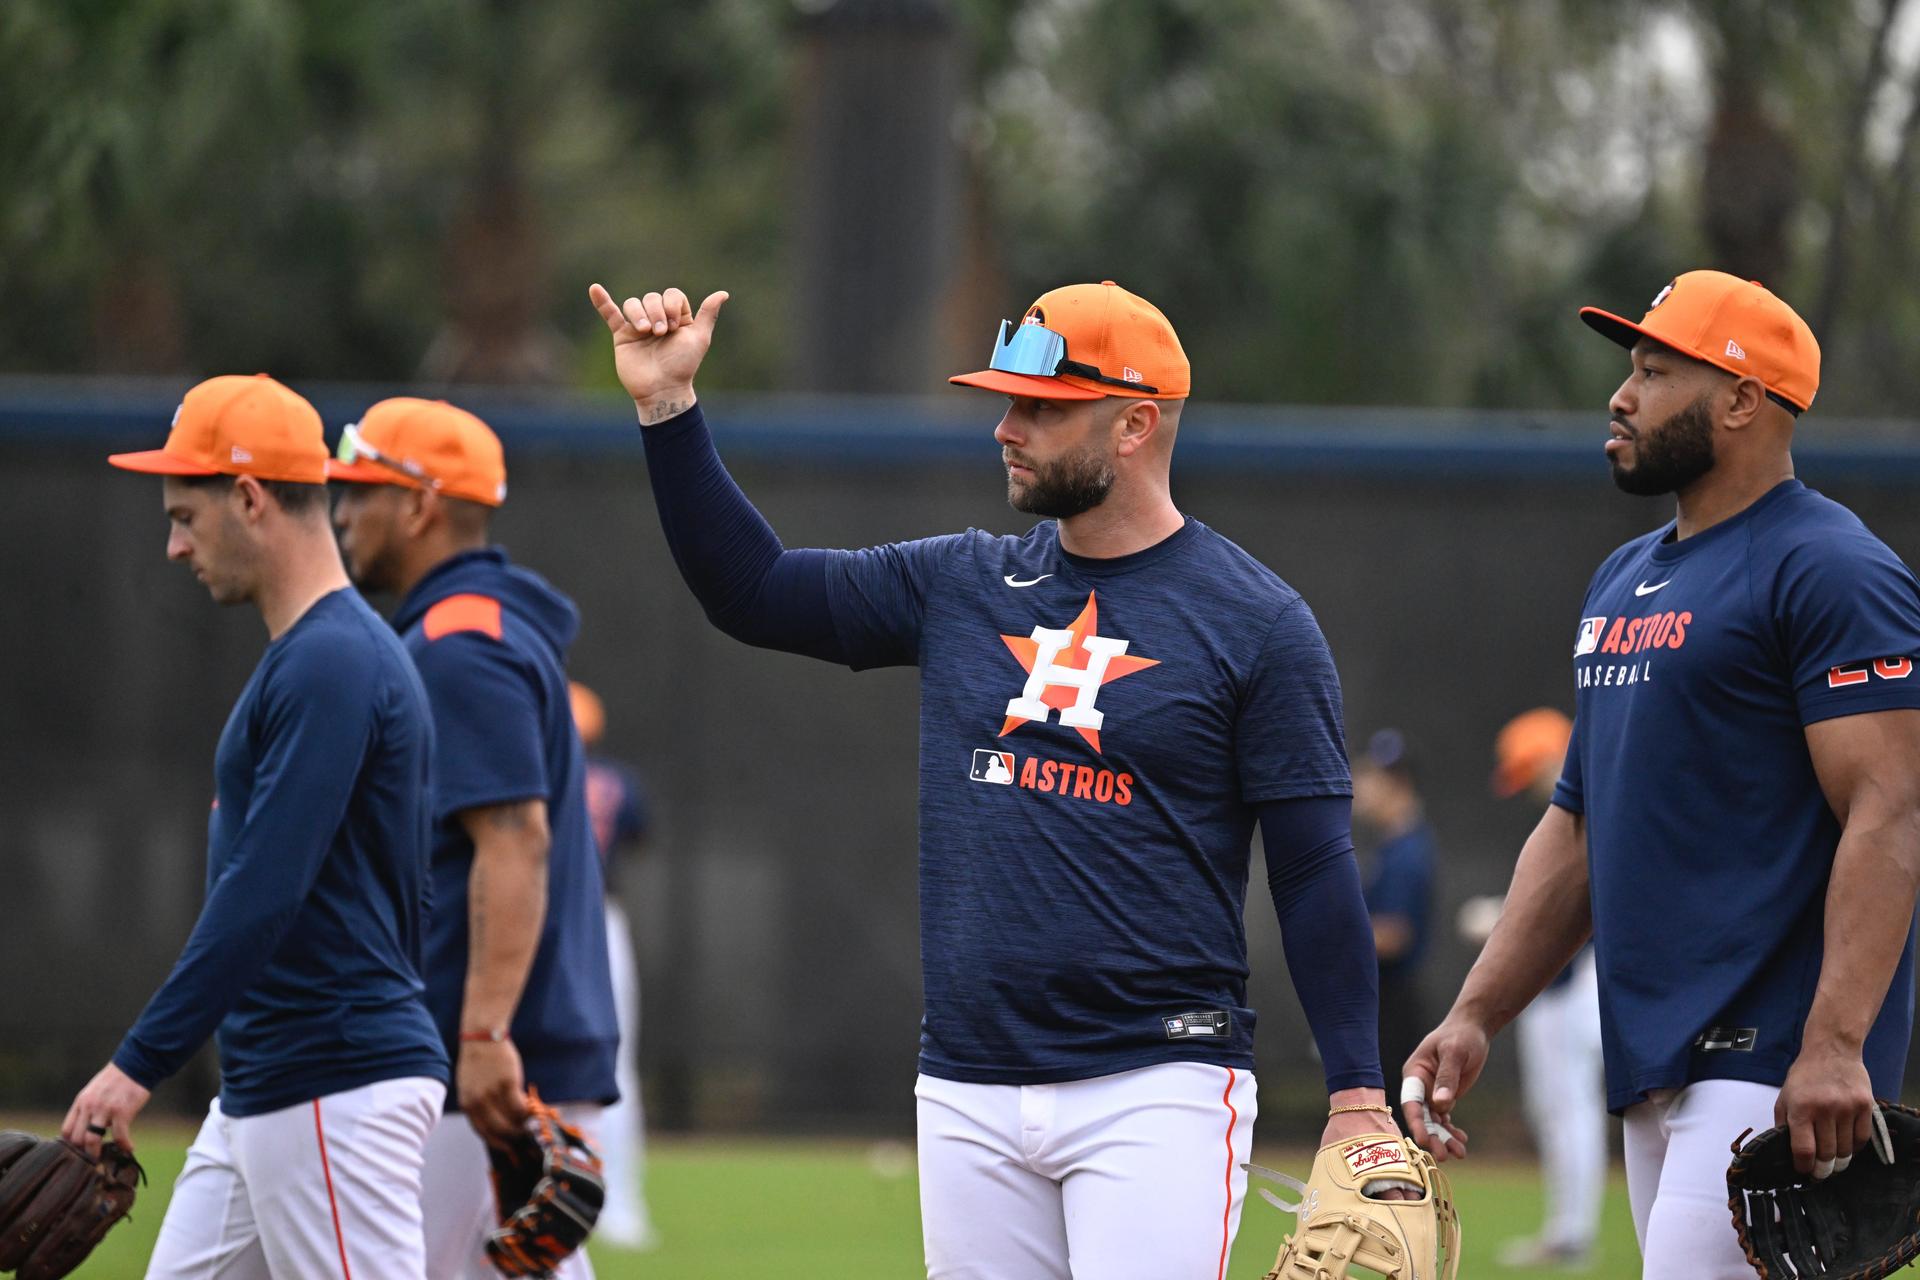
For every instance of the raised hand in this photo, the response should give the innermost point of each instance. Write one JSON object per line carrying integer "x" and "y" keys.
{"x": 658, "y": 344}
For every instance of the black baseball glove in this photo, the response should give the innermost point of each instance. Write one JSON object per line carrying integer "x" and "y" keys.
{"x": 56, "y": 1202}
{"x": 549, "y": 1190}
{"x": 1858, "y": 1223}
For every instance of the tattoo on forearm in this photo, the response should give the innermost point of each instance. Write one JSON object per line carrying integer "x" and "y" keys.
{"x": 657, "y": 413}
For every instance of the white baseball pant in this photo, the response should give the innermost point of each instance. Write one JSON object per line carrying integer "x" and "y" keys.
{"x": 621, "y": 1138}
{"x": 325, "y": 1188}
{"x": 456, "y": 1195}
{"x": 1134, "y": 1176}
{"x": 1563, "y": 1081}
{"x": 1678, "y": 1145}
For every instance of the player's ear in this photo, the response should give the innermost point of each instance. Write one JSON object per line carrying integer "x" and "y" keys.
{"x": 1745, "y": 403}
{"x": 1135, "y": 425}
{"x": 249, "y": 499}
{"x": 418, "y": 509}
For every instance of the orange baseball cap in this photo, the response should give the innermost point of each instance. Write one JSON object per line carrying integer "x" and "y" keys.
{"x": 1529, "y": 742}
{"x": 239, "y": 426}
{"x": 421, "y": 444}
{"x": 1732, "y": 324}
{"x": 589, "y": 713}
{"x": 1084, "y": 342}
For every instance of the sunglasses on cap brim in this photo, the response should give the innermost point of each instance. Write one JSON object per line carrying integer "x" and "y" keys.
{"x": 355, "y": 448}
{"x": 1039, "y": 352}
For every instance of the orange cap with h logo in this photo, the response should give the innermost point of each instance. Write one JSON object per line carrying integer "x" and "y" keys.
{"x": 1088, "y": 341}
{"x": 1732, "y": 324}
{"x": 424, "y": 444}
{"x": 239, "y": 426}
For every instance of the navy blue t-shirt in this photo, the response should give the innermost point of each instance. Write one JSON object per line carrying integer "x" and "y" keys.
{"x": 1698, "y": 664}
{"x": 307, "y": 954}
{"x": 1094, "y": 738}
{"x": 1402, "y": 885}
{"x": 490, "y": 641}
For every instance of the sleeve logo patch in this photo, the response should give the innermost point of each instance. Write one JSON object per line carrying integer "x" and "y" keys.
{"x": 1862, "y": 672}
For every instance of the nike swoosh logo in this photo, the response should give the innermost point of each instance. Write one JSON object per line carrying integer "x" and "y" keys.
{"x": 1644, "y": 590}
{"x": 1009, "y": 580}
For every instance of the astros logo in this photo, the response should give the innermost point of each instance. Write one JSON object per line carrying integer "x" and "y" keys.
{"x": 1065, "y": 670}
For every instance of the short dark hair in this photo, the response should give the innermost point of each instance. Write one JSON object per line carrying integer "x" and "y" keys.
{"x": 294, "y": 497}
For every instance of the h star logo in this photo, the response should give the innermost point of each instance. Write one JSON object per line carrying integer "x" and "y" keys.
{"x": 1065, "y": 670}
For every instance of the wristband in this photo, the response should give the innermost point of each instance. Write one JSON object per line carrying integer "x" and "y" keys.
{"x": 496, "y": 1036}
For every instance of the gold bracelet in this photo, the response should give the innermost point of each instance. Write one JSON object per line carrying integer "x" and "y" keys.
{"x": 1381, "y": 1107}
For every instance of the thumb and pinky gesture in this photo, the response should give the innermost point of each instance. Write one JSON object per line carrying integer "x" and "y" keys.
{"x": 659, "y": 342}
{"x": 657, "y": 315}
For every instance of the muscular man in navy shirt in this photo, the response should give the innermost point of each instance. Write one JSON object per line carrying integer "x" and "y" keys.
{"x": 307, "y": 954}
{"x": 1109, "y": 703}
{"x": 1738, "y": 821}
{"x": 517, "y": 974}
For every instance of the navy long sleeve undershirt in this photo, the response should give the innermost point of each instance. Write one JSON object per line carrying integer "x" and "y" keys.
{"x": 751, "y": 587}
{"x": 764, "y": 594}
{"x": 1315, "y": 882}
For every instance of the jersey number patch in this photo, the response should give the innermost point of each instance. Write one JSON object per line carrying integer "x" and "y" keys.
{"x": 1860, "y": 673}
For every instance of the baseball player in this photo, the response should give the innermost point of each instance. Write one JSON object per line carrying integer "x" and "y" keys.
{"x": 621, "y": 819}
{"x": 1398, "y": 885}
{"x": 1738, "y": 821}
{"x": 307, "y": 954}
{"x": 517, "y": 977}
{"x": 1086, "y": 1094}
{"x": 1561, "y": 1073}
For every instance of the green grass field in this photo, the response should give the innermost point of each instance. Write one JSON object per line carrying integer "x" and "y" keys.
{"x": 843, "y": 1211}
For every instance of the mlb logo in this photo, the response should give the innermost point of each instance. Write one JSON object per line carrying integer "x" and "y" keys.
{"x": 992, "y": 766}
{"x": 1589, "y": 641}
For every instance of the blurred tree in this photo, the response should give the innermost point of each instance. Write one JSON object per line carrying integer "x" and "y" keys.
{"x": 1337, "y": 200}
{"x": 354, "y": 189}
{"x": 1403, "y": 200}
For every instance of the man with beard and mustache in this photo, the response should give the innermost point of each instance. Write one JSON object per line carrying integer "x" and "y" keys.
{"x": 518, "y": 980}
{"x": 1737, "y": 825}
{"x": 1151, "y": 691}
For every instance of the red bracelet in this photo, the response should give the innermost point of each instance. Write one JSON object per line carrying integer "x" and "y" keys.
{"x": 497, "y": 1036}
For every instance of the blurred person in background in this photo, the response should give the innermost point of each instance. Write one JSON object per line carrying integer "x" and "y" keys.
{"x": 1737, "y": 826}
{"x": 1399, "y": 884}
{"x": 1086, "y": 1088}
{"x": 517, "y": 975}
{"x": 307, "y": 954}
{"x": 1562, "y": 1077}
{"x": 622, "y": 821}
